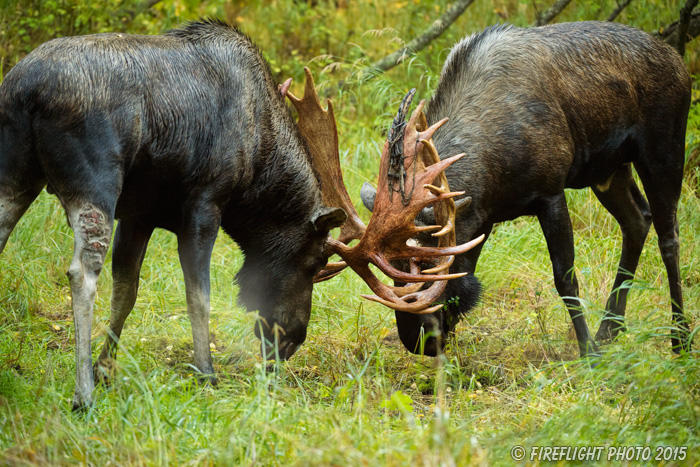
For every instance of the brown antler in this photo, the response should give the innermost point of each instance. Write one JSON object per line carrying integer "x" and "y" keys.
{"x": 318, "y": 128}
{"x": 411, "y": 178}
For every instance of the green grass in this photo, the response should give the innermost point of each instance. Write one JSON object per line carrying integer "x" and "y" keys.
{"x": 510, "y": 376}
{"x": 352, "y": 395}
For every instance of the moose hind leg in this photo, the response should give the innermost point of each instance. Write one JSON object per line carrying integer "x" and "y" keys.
{"x": 629, "y": 207}
{"x": 92, "y": 230}
{"x": 128, "y": 251}
{"x": 666, "y": 225}
{"x": 660, "y": 167}
{"x": 663, "y": 196}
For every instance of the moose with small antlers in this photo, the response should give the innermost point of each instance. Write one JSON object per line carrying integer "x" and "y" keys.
{"x": 187, "y": 131}
{"x": 536, "y": 111}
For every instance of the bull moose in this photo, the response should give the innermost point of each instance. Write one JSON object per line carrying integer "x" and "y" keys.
{"x": 184, "y": 131}
{"x": 538, "y": 110}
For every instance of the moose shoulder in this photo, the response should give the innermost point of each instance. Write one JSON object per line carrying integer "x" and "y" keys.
{"x": 539, "y": 110}
{"x": 185, "y": 131}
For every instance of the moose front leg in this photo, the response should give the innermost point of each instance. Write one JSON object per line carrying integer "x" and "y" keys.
{"x": 92, "y": 230}
{"x": 553, "y": 215}
{"x": 195, "y": 245}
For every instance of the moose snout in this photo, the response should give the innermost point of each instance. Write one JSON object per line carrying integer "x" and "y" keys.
{"x": 279, "y": 341}
{"x": 426, "y": 334}
{"x": 421, "y": 334}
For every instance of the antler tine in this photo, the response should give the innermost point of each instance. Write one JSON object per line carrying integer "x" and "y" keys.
{"x": 430, "y": 148}
{"x": 284, "y": 87}
{"x": 441, "y": 267}
{"x": 449, "y": 227}
{"x": 434, "y": 170}
{"x": 415, "y": 116}
{"x": 412, "y": 287}
{"x": 427, "y": 251}
{"x": 310, "y": 97}
{"x": 427, "y": 134}
{"x": 330, "y": 271}
{"x": 426, "y": 228}
{"x": 436, "y": 190}
{"x": 400, "y": 305}
{"x": 403, "y": 276}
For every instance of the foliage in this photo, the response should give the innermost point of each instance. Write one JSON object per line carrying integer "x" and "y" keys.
{"x": 398, "y": 401}
{"x": 351, "y": 395}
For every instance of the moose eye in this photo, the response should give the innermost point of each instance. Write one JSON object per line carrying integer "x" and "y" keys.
{"x": 319, "y": 264}
{"x": 313, "y": 264}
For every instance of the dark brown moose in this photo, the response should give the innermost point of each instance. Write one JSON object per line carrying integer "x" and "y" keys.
{"x": 539, "y": 110}
{"x": 184, "y": 131}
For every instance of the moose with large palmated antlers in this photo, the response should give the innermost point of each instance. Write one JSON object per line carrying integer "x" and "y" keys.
{"x": 538, "y": 110}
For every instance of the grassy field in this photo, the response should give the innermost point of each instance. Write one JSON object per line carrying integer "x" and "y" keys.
{"x": 352, "y": 395}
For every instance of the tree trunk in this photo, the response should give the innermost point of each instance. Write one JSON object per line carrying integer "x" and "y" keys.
{"x": 683, "y": 24}
{"x": 670, "y": 35}
{"x": 552, "y": 12}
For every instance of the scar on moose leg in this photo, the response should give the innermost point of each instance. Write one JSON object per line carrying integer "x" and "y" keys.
{"x": 95, "y": 235}
{"x": 92, "y": 231}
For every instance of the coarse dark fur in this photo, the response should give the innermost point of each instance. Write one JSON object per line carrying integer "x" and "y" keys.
{"x": 570, "y": 105}
{"x": 184, "y": 131}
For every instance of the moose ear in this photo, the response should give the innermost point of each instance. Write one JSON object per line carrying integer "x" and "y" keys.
{"x": 367, "y": 194}
{"x": 462, "y": 204}
{"x": 324, "y": 218}
{"x": 427, "y": 216}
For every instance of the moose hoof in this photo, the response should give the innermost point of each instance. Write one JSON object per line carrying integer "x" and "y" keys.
{"x": 207, "y": 380}
{"x": 609, "y": 330}
{"x": 103, "y": 372}
{"x": 681, "y": 342}
{"x": 81, "y": 405}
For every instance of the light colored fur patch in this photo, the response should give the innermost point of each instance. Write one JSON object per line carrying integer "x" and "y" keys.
{"x": 606, "y": 185}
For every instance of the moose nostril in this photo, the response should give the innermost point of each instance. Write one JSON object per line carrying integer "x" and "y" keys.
{"x": 282, "y": 350}
{"x": 289, "y": 350}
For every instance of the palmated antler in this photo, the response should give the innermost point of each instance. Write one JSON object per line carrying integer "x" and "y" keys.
{"x": 411, "y": 169}
{"x": 411, "y": 177}
{"x": 318, "y": 128}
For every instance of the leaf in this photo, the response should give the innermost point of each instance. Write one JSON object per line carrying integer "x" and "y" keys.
{"x": 399, "y": 402}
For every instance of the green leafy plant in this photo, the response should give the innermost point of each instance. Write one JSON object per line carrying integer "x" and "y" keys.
{"x": 398, "y": 402}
